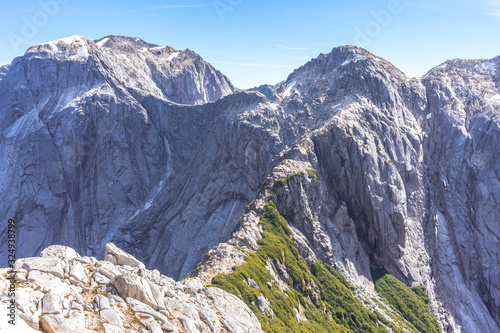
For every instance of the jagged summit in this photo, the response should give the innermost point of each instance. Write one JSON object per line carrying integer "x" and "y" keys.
{"x": 123, "y": 43}
{"x": 489, "y": 67}
{"x": 329, "y": 64}
{"x": 124, "y": 63}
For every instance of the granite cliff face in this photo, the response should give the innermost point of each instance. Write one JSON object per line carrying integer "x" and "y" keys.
{"x": 152, "y": 148}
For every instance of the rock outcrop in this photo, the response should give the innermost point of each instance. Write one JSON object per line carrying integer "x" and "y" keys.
{"x": 112, "y": 297}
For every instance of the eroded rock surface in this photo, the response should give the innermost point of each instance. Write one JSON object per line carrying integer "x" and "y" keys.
{"x": 133, "y": 300}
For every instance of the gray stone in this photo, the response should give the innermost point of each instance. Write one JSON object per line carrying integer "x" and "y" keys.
{"x": 47, "y": 265}
{"x": 151, "y": 324}
{"x": 112, "y": 317}
{"x": 78, "y": 273}
{"x": 76, "y": 306}
{"x": 119, "y": 257}
{"x": 60, "y": 252}
{"x": 129, "y": 285}
{"x": 264, "y": 306}
{"x": 74, "y": 323}
{"x": 252, "y": 284}
{"x": 102, "y": 302}
{"x": 78, "y": 299}
{"x": 235, "y": 315}
{"x": 51, "y": 304}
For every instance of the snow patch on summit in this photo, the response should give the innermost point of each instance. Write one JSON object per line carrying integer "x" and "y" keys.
{"x": 488, "y": 66}
{"x": 72, "y": 47}
{"x": 173, "y": 55}
{"x": 101, "y": 43}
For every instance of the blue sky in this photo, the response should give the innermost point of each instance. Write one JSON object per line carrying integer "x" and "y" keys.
{"x": 255, "y": 41}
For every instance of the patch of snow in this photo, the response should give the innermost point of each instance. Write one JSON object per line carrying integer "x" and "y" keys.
{"x": 439, "y": 67}
{"x": 345, "y": 63}
{"x": 495, "y": 99}
{"x": 429, "y": 115}
{"x": 488, "y": 66}
{"x": 68, "y": 40}
{"x": 71, "y": 47}
{"x": 288, "y": 90}
{"x": 157, "y": 48}
{"x": 82, "y": 52}
{"x": 273, "y": 106}
{"x": 144, "y": 49}
{"x": 172, "y": 56}
{"x": 102, "y": 42}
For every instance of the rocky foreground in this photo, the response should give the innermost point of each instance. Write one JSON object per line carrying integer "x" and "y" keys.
{"x": 60, "y": 292}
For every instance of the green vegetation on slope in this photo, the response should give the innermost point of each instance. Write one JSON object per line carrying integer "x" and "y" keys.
{"x": 324, "y": 295}
{"x": 411, "y": 303}
{"x": 311, "y": 173}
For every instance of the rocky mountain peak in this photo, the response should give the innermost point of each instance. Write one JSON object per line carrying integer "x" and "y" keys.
{"x": 123, "y": 44}
{"x": 342, "y": 58}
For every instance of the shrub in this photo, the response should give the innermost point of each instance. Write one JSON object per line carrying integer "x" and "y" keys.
{"x": 409, "y": 302}
{"x": 311, "y": 173}
{"x": 280, "y": 183}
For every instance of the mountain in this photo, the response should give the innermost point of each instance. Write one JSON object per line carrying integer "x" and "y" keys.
{"x": 371, "y": 173}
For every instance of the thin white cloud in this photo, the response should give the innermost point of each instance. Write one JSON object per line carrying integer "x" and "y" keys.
{"x": 494, "y": 9}
{"x": 249, "y": 64}
{"x": 292, "y": 48}
{"x": 486, "y": 7}
{"x": 201, "y": 5}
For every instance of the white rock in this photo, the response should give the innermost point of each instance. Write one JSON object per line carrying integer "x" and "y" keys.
{"x": 47, "y": 265}
{"x": 107, "y": 269}
{"x": 129, "y": 285}
{"x": 192, "y": 286}
{"x": 264, "y": 306}
{"x": 79, "y": 299}
{"x": 151, "y": 324}
{"x": 117, "y": 256}
{"x": 51, "y": 304}
{"x": 75, "y": 323}
{"x": 100, "y": 278}
{"x": 235, "y": 315}
{"x": 59, "y": 251}
{"x": 112, "y": 317}
{"x": 78, "y": 273}
{"x": 20, "y": 325}
{"x": 102, "y": 302}
{"x": 30, "y": 319}
{"x": 108, "y": 328}
{"x": 48, "y": 283}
